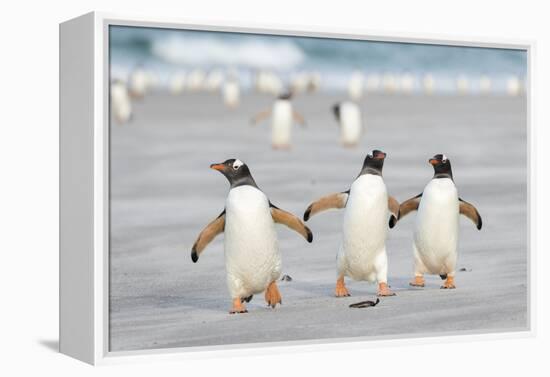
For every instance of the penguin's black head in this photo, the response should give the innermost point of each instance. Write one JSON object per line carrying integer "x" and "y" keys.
{"x": 336, "y": 111}
{"x": 374, "y": 162}
{"x": 236, "y": 172}
{"x": 442, "y": 166}
{"x": 286, "y": 95}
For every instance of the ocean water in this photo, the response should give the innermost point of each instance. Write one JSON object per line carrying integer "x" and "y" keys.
{"x": 167, "y": 51}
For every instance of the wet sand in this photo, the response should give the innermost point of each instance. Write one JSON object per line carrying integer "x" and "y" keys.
{"x": 163, "y": 193}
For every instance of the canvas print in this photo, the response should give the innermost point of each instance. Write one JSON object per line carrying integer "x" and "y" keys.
{"x": 270, "y": 188}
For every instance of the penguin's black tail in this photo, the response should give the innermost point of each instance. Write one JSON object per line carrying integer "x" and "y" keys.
{"x": 247, "y": 299}
{"x": 443, "y": 276}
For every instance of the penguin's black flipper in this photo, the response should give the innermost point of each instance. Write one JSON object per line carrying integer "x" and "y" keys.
{"x": 393, "y": 206}
{"x": 336, "y": 111}
{"x": 283, "y": 217}
{"x": 470, "y": 212}
{"x": 409, "y": 206}
{"x": 207, "y": 235}
{"x": 338, "y": 200}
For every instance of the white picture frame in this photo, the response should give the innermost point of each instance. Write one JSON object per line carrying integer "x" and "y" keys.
{"x": 84, "y": 184}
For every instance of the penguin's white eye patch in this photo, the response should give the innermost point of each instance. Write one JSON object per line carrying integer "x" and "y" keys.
{"x": 237, "y": 164}
{"x": 444, "y": 159}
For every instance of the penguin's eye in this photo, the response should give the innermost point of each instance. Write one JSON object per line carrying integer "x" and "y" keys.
{"x": 237, "y": 164}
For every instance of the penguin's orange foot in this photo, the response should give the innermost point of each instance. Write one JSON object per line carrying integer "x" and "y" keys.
{"x": 272, "y": 295}
{"x": 417, "y": 282}
{"x": 449, "y": 283}
{"x": 238, "y": 307}
{"x": 384, "y": 290}
{"x": 341, "y": 290}
{"x": 282, "y": 147}
{"x": 349, "y": 145}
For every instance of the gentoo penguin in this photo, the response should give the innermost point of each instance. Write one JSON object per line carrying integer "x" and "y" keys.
{"x": 214, "y": 80}
{"x": 362, "y": 255}
{"x": 355, "y": 85}
{"x": 390, "y": 83}
{"x": 177, "y": 83}
{"x": 513, "y": 86}
{"x": 407, "y": 83}
{"x": 484, "y": 84}
{"x": 252, "y": 259}
{"x": 348, "y": 116}
{"x": 268, "y": 82}
{"x": 283, "y": 116}
{"x": 429, "y": 83}
{"x": 436, "y": 229}
{"x": 121, "y": 105}
{"x": 314, "y": 82}
{"x": 139, "y": 83}
{"x": 195, "y": 80}
{"x": 462, "y": 84}
{"x": 231, "y": 93}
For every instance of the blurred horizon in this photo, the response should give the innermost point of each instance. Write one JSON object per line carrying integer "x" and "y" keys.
{"x": 166, "y": 52}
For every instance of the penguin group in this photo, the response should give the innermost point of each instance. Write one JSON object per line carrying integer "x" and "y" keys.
{"x": 231, "y": 83}
{"x": 252, "y": 258}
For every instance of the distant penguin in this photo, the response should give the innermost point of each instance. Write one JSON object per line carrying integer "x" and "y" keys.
{"x": 462, "y": 84}
{"x": 513, "y": 86}
{"x": 428, "y": 83}
{"x": 362, "y": 254}
{"x": 299, "y": 82}
{"x": 314, "y": 82}
{"x": 390, "y": 83}
{"x": 355, "y": 86}
{"x": 484, "y": 84}
{"x": 139, "y": 82}
{"x": 231, "y": 93}
{"x": 121, "y": 105}
{"x": 268, "y": 83}
{"x": 252, "y": 258}
{"x": 436, "y": 227}
{"x": 195, "y": 80}
{"x": 348, "y": 116}
{"x": 177, "y": 83}
{"x": 214, "y": 80}
{"x": 283, "y": 116}
{"x": 407, "y": 83}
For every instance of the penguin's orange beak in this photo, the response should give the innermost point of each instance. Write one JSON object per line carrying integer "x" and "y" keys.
{"x": 218, "y": 167}
{"x": 433, "y": 161}
{"x": 379, "y": 156}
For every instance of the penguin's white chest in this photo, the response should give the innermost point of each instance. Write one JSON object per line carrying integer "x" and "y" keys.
{"x": 251, "y": 252}
{"x": 350, "y": 123}
{"x": 436, "y": 228}
{"x": 365, "y": 224}
{"x": 231, "y": 94}
{"x": 355, "y": 87}
{"x": 281, "y": 122}
{"x": 139, "y": 83}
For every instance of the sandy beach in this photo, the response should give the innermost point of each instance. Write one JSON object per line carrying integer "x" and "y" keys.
{"x": 163, "y": 193}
